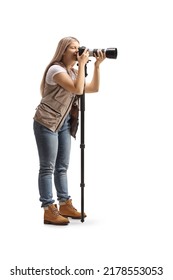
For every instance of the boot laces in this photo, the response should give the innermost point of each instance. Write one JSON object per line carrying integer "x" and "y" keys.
{"x": 55, "y": 212}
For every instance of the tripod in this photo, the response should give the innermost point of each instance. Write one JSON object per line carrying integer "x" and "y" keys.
{"x": 82, "y": 145}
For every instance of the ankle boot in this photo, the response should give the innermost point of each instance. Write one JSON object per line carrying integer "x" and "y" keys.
{"x": 66, "y": 209}
{"x": 52, "y": 216}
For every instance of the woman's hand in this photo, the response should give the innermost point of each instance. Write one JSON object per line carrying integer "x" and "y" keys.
{"x": 83, "y": 58}
{"x": 99, "y": 57}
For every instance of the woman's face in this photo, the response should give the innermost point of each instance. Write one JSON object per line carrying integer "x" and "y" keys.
{"x": 70, "y": 55}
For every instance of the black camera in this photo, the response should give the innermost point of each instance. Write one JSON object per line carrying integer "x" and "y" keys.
{"x": 110, "y": 52}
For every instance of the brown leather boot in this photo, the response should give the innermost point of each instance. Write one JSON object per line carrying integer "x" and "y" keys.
{"x": 66, "y": 209}
{"x": 52, "y": 216}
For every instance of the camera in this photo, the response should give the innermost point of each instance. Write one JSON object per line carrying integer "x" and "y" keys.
{"x": 110, "y": 52}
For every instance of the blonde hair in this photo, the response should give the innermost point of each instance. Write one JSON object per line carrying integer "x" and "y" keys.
{"x": 61, "y": 48}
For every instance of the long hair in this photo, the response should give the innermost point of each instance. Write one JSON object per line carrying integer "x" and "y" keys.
{"x": 61, "y": 48}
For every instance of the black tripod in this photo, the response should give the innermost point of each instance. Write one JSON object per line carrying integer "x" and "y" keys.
{"x": 82, "y": 145}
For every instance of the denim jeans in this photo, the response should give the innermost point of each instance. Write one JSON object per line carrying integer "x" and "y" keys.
{"x": 54, "y": 153}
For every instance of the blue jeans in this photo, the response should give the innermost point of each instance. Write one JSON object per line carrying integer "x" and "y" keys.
{"x": 54, "y": 153}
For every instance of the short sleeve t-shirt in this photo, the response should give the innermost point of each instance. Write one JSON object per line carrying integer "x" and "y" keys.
{"x": 52, "y": 71}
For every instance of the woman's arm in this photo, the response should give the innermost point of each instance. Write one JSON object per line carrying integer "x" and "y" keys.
{"x": 74, "y": 86}
{"x": 93, "y": 86}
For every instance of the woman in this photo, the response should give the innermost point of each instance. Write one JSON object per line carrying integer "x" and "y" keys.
{"x": 56, "y": 119}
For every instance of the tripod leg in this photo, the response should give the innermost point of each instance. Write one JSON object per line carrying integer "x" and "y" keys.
{"x": 82, "y": 146}
{"x": 82, "y": 204}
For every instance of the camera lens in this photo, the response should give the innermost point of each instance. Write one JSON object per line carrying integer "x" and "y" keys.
{"x": 110, "y": 52}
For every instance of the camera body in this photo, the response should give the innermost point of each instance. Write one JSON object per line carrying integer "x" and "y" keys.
{"x": 110, "y": 52}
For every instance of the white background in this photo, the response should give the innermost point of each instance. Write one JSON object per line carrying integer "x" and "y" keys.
{"x": 128, "y": 137}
